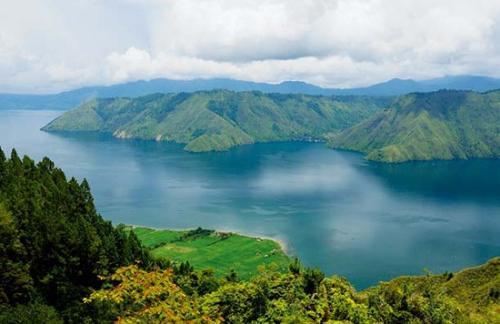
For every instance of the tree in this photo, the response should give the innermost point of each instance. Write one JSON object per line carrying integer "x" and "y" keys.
{"x": 232, "y": 276}
{"x": 15, "y": 281}
{"x": 2, "y": 166}
{"x": 295, "y": 266}
{"x": 312, "y": 280}
{"x": 149, "y": 297}
{"x": 29, "y": 314}
{"x": 53, "y": 243}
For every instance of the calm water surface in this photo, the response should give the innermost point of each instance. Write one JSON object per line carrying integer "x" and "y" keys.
{"x": 366, "y": 221}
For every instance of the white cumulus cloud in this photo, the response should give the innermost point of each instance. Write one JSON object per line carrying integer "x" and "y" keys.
{"x": 56, "y": 44}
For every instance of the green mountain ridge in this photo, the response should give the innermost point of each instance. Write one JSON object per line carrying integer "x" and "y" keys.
{"x": 441, "y": 125}
{"x": 218, "y": 120}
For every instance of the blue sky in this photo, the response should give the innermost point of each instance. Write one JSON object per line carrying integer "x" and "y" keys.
{"x": 53, "y": 45}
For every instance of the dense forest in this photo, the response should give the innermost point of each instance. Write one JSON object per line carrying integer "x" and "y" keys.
{"x": 218, "y": 120}
{"x": 53, "y": 243}
{"x": 440, "y": 125}
{"x": 302, "y": 295}
{"x": 61, "y": 262}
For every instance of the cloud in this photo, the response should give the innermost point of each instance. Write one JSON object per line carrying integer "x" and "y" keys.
{"x": 62, "y": 44}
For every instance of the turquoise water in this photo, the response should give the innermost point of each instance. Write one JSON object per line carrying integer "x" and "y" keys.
{"x": 366, "y": 221}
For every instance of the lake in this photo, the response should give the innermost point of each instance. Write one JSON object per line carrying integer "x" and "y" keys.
{"x": 366, "y": 221}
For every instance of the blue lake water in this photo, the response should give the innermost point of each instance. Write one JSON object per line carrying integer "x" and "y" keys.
{"x": 363, "y": 220}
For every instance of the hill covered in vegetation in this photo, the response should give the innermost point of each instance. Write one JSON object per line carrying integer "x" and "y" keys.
{"x": 53, "y": 243}
{"x": 303, "y": 295}
{"x": 218, "y": 120}
{"x": 426, "y": 126}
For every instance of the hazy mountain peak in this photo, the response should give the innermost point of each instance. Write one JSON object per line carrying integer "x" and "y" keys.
{"x": 392, "y": 87}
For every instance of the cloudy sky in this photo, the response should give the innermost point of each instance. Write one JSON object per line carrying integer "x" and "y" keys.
{"x": 53, "y": 45}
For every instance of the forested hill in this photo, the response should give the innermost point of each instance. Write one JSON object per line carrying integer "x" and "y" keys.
{"x": 53, "y": 244}
{"x": 219, "y": 120}
{"x": 425, "y": 126}
{"x": 304, "y": 295}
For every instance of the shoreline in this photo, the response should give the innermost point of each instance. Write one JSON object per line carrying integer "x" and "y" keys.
{"x": 281, "y": 243}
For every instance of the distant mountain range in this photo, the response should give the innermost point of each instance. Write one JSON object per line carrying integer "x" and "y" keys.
{"x": 69, "y": 99}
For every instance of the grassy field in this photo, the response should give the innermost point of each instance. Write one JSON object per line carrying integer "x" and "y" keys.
{"x": 210, "y": 249}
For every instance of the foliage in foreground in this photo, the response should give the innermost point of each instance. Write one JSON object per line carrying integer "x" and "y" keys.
{"x": 301, "y": 296}
{"x": 53, "y": 243}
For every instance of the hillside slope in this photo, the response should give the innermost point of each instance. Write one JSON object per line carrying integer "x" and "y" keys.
{"x": 54, "y": 245}
{"x": 471, "y": 295}
{"x": 304, "y": 295}
{"x": 425, "y": 126}
{"x": 218, "y": 120}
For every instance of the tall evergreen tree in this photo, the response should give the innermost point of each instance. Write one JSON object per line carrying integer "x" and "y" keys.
{"x": 2, "y": 166}
{"x": 53, "y": 243}
{"x": 15, "y": 281}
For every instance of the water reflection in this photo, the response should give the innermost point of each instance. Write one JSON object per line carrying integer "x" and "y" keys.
{"x": 336, "y": 211}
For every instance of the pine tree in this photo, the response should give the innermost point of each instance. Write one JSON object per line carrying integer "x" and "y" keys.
{"x": 15, "y": 281}
{"x": 2, "y": 166}
{"x": 52, "y": 239}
